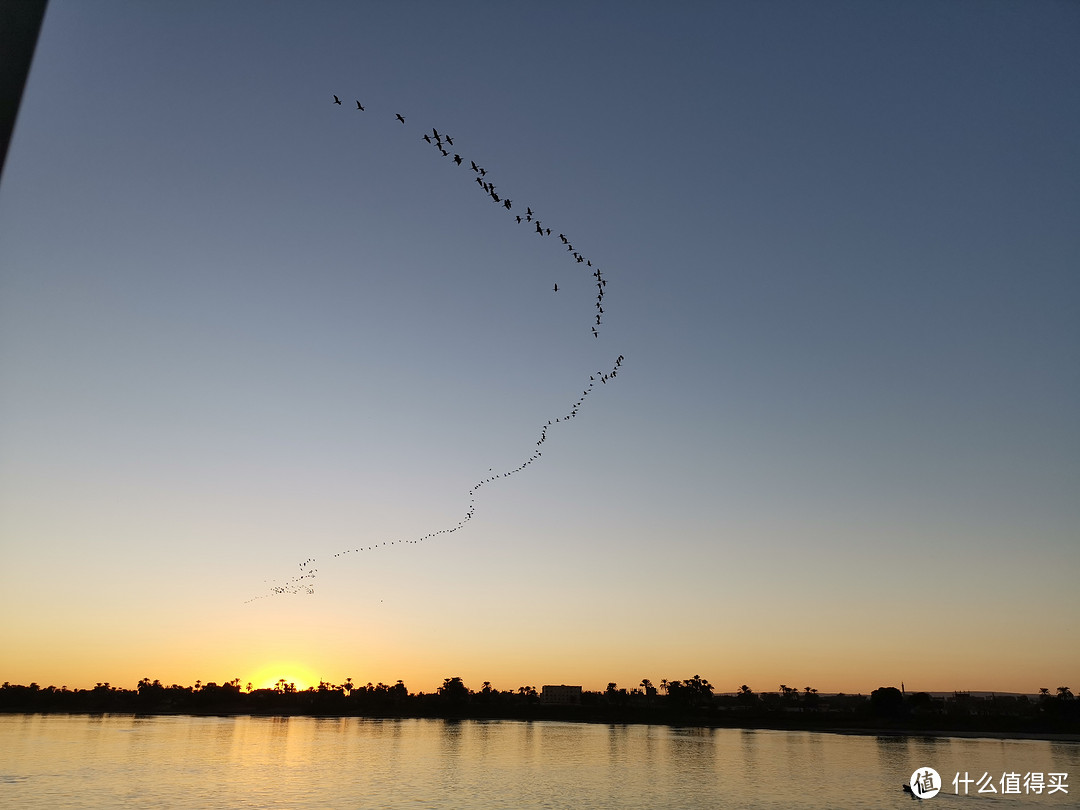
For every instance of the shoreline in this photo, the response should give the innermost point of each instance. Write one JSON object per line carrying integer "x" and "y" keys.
{"x": 1040, "y": 736}
{"x": 861, "y": 731}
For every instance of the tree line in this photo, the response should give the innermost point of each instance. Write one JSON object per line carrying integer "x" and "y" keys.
{"x": 690, "y": 700}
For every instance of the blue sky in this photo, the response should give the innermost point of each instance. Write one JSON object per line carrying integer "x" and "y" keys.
{"x": 241, "y": 326}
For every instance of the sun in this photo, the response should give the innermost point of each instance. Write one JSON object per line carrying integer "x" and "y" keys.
{"x": 294, "y": 674}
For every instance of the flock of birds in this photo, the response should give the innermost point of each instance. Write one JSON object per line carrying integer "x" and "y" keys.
{"x": 441, "y": 141}
{"x": 303, "y": 582}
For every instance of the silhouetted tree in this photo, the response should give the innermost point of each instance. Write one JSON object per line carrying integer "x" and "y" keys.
{"x": 887, "y": 701}
{"x": 693, "y": 693}
{"x": 453, "y": 691}
{"x": 746, "y": 696}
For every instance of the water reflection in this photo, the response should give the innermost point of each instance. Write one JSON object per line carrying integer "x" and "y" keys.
{"x": 262, "y": 762}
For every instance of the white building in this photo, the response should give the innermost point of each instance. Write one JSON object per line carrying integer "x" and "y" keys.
{"x": 561, "y": 695}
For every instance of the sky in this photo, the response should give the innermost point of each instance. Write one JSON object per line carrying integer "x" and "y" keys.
{"x": 242, "y": 327}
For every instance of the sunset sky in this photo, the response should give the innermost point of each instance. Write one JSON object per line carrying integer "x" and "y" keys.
{"x": 242, "y": 326}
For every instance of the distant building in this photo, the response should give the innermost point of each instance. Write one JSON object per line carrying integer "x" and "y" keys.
{"x": 561, "y": 695}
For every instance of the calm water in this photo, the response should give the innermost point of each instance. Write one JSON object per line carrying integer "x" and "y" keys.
{"x": 118, "y": 761}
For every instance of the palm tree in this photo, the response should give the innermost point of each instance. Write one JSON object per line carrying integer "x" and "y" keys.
{"x": 1064, "y": 693}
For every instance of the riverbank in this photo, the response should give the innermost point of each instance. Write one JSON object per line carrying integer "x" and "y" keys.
{"x": 856, "y": 727}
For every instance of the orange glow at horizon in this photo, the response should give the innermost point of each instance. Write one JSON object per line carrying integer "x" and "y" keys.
{"x": 267, "y": 677}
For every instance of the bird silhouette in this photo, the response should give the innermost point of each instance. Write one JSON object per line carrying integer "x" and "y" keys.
{"x": 359, "y": 106}
{"x": 337, "y": 100}
{"x": 556, "y": 287}
{"x": 400, "y": 117}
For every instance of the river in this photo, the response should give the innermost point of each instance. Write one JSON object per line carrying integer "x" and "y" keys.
{"x": 56, "y": 762}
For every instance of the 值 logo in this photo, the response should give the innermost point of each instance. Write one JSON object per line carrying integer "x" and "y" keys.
{"x": 925, "y": 783}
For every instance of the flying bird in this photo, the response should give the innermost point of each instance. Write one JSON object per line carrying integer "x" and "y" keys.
{"x": 400, "y": 117}
{"x": 449, "y": 140}
{"x": 359, "y": 106}
{"x": 556, "y": 288}
{"x": 337, "y": 100}
{"x": 427, "y": 137}
{"x": 457, "y": 158}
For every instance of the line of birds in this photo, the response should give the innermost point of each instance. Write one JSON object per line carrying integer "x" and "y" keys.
{"x": 303, "y": 582}
{"x": 437, "y": 140}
